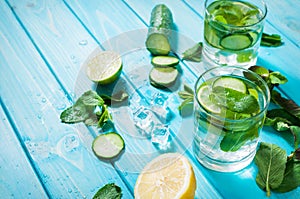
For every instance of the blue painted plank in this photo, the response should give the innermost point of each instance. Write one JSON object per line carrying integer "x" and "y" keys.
{"x": 249, "y": 185}
{"x": 284, "y": 16}
{"x": 136, "y": 69}
{"x": 61, "y": 154}
{"x": 18, "y": 178}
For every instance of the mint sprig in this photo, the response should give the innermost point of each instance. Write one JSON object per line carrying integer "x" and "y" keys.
{"x": 90, "y": 108}
{"x": 187, "y": 94}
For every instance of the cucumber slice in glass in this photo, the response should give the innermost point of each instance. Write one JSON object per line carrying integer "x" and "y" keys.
{"x": 236, "y": 41}
{"x": 232, "y": 83}
{"x": 108, "y": 145}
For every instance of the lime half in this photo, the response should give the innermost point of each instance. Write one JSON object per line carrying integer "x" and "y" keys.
{"x": 105, "y": 67}
{"x": 203, "y": 97}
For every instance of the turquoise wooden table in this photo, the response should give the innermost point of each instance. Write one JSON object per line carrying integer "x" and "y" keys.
{"x": 43, "y": 46}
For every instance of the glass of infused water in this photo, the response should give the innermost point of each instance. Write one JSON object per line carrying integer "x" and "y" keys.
{"x": 230, "y": 106}
{"x": 232, "y": 31}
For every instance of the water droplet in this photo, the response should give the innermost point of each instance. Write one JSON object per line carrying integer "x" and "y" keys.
{"x": 61, "y": 106}
{"x": 39, "y": 116}
{"x": 69, "y": 190}
{"x": 44, "y": 100}
{"x": 83, "y": 42}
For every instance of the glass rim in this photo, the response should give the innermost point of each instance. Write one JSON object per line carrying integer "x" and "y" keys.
{"x": 266, "y": 92}
{"x": 265, "y": 11}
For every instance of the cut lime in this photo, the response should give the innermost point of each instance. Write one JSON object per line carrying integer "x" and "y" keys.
{"x": 108, "y": 145}
{"x": 105, "y": 67}
{"x": 232, "y": 83}
{"x": 236, "y": 41}
{"x": 203, "y": 97}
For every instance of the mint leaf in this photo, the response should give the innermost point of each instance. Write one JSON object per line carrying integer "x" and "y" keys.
{"x": 233, "y": 141}
{"x": 291, "y": 178}
{"x": 188, "y": 97}
{"x": 234, "y": 100}
{"x": 194, "y": 53}
{"x": 277, "y": 78}
{"x": 271, "y": 162}
{"x": 109, "y": 191}
{"x": 116, "y": 97}
{"x": 91, "y": 98}
{"x": 295, "y": 130}
{"x": 271, "y": 40}
{"x": 282, "y": 113}
{"x": 286, "y": 104}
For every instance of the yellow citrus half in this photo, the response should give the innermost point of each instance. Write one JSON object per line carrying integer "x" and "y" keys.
{"x": 168, "y": 176}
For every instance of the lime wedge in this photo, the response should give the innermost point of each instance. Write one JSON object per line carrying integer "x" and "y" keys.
{"x": 203, "y": 97}
{"x": 232, "y": 83}
{"x": 105, "y": 67}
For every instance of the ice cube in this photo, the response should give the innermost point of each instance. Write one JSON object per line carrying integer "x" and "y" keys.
{"x": 144, "y": 120}
{"x": 160, "y": 135}
{"x": 160, "y": 107}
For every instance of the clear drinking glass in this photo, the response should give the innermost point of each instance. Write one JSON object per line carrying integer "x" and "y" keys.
{"x": 232, "y": 31}
{"x": 229, "y": 110}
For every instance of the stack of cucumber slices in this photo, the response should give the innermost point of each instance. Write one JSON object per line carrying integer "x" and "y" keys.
{"x": 164, "y": 72}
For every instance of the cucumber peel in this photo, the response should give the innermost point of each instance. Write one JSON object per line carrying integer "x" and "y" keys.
{"x": 161, "y": 25}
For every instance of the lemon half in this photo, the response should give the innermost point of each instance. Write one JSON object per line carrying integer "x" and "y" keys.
{"x": 168, "y": 176}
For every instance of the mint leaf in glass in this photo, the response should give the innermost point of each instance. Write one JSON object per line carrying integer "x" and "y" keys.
{"x": 234, "y": 100}
{"x": 234, "y": 140}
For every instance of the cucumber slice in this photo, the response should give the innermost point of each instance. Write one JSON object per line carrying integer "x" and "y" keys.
{"x": 108, "y": 145}
{"x": 158, "y": 44}
{"x": 236, "y": 41}
{"x": 164, "y": 61}
{"x": 232, "y": 83}
{"x": 163, "y": 77}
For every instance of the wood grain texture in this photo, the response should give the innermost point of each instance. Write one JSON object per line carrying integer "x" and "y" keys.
{"x": 60, "y": 153}
{"x": 18, "y": 179}
{"x": 43, "y": 48}
{"x": 136, "y": 69}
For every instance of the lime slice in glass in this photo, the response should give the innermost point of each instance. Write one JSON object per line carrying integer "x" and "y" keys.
{"x": 203, "y": 97}
{"x": 232, "y": 83}
{"x": 105, "y": 67}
